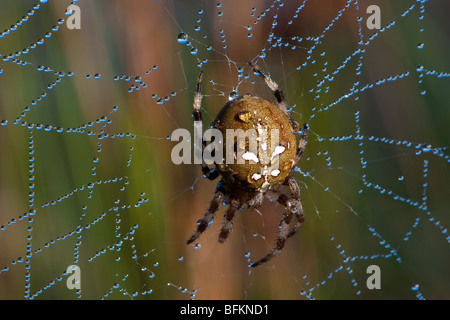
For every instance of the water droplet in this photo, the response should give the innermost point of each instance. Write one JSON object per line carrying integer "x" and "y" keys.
{"x": 194, "y": 51}
{"x": 182, "y": 38}
{"x": 426, "y": 148}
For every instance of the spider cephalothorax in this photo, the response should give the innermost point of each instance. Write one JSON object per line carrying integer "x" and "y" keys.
{"x": 262, "y": 171}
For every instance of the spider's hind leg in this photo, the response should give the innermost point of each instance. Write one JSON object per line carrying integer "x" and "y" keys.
{"x": 294, "y": 209}
{"x": 208, "y": 217}
{"x": 234, "y": 206}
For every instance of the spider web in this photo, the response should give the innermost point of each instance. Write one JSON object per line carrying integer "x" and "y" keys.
{"x": 86, "y": 176}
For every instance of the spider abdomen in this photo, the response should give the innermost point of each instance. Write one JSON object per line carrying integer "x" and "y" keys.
{"x": 265, "y": 154}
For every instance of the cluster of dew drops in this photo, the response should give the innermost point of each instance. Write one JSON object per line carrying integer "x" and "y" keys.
{"x": 138, "y": 83}
{"x": 86, "y": 128}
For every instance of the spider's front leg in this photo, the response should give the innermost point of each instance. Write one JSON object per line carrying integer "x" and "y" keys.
{"x": 197, "y": 113}
{"x": 208, "y": 217}
{"x": 301, "y": 143}
{"x": 293, "y": 209}
{"x": 278, "y": 93}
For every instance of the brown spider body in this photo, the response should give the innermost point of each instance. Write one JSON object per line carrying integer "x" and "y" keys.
{"x": 260, "y": 172}
{"x": 246, "y": 113}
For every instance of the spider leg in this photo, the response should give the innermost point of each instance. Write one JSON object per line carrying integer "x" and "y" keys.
{"x": 198, "y": 98}
{"x": 274, "y": 87}
{"x": 208, "y": 217}
{"x": 301, "y": 143}
{"x": 197, "y": 113}
{"x": 208, "y": 173}
{"x": 234, "y": 206}
{"x": 293, "y": 209}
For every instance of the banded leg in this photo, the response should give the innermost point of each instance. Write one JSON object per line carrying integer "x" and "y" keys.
{"x": 209, "y": 214}
{"x": 274, "y": 87}
{"x": 234, "y": 206}
{"x": 301, "y": 143}
{"x": 282, "y": 105}
{"x": 198, "y": 98}
{"x": 197, "y": 113}
{"x": 294, "y": 209}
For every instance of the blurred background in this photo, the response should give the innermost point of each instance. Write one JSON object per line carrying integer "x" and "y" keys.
{"x": 86, "y": 176}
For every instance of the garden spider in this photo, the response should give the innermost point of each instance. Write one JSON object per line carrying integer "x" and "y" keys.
{"x": 246, "y": 185}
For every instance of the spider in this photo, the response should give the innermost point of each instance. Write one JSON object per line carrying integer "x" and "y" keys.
{"x": 246, "y": 185}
